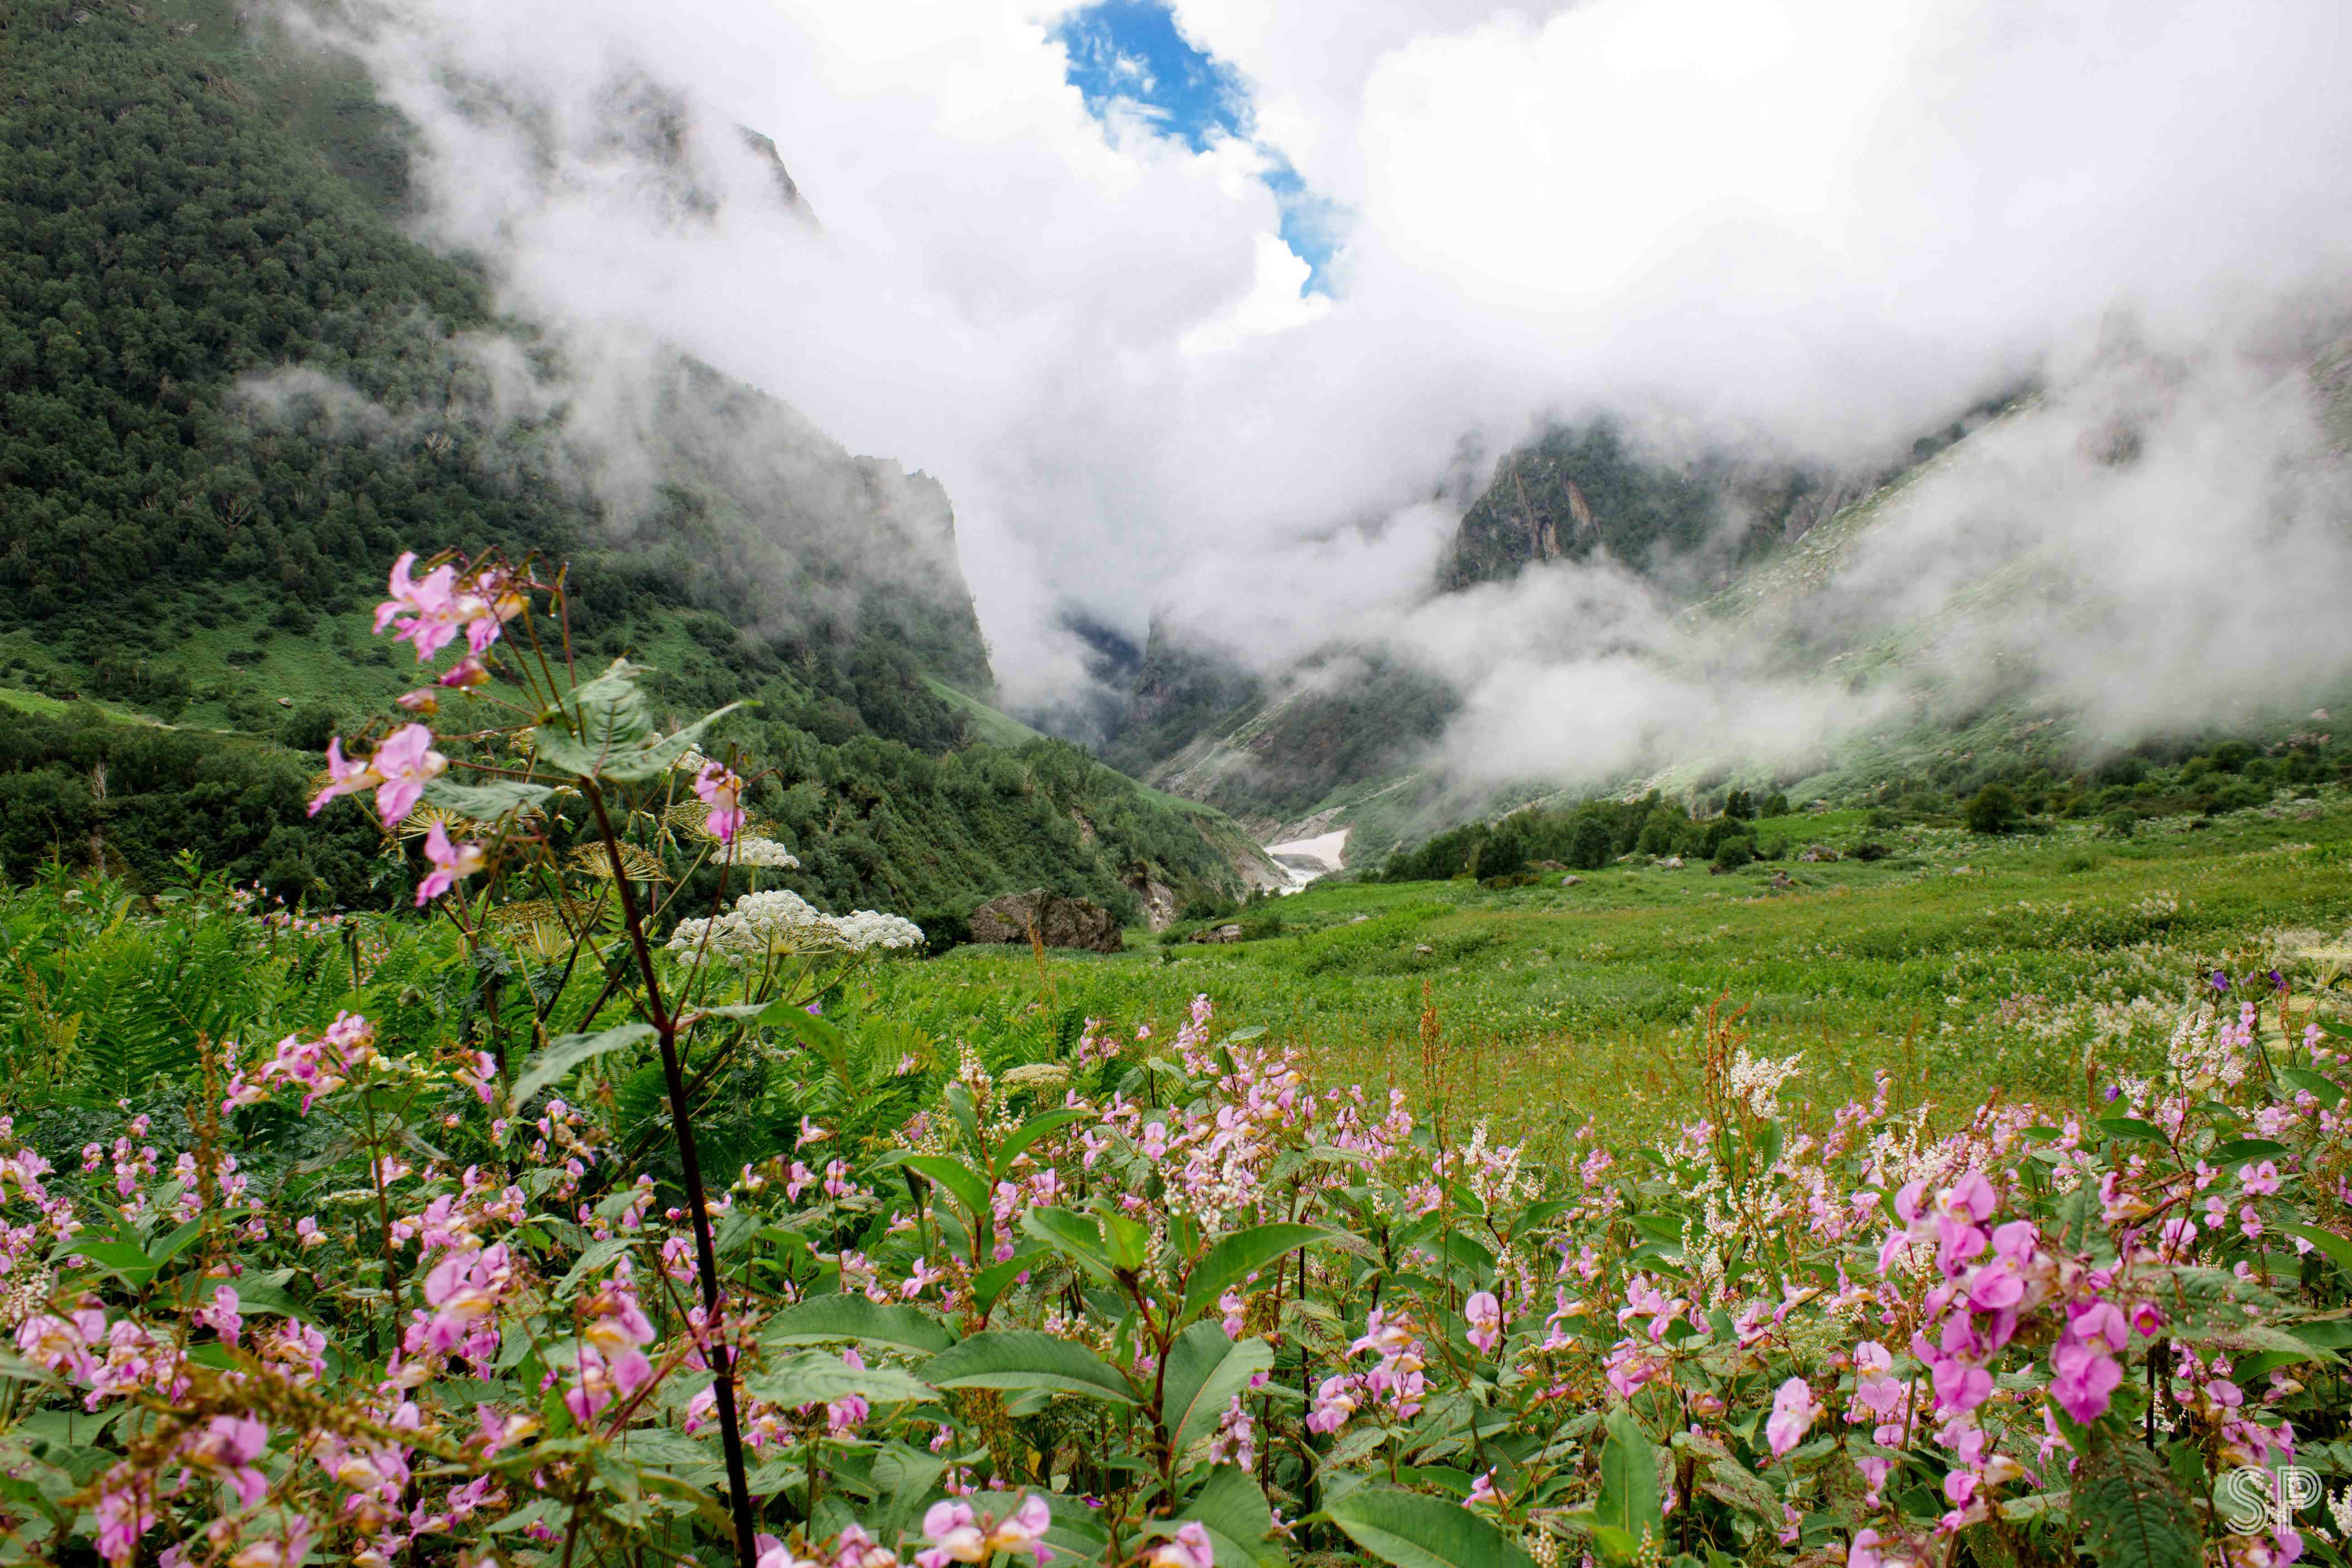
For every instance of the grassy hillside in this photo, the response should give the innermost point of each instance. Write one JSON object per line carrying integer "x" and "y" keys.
{"x": 232, "y": 390}
{"x": 1965, "y": 964}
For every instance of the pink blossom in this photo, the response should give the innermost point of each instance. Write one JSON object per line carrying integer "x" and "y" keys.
{"x": 2084, "y": 1379}
{"x": 722, "y": 792}
{"x": 1189, "y": 1548}
{"x": 1793, "y": 1414}
{"x": 344, "y": 777}
{"x": 450, "y": 864}
{"x": 405, "y": 761}
{"x": 1484, "y": 1315}
{"x": 123, "y": 1516}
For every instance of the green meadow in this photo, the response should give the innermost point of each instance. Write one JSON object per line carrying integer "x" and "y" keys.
{"x": 2038, "y": 965}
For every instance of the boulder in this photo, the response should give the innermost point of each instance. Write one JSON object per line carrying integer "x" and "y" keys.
{"x": 1218, "y": 934}
{"x": 1782, "y": 879}
{"x": 1059, "y": 922}
{"x": 1815, "y": 854}
{"x": 1570, "y": 881}
{"x": 1671, "y": 863}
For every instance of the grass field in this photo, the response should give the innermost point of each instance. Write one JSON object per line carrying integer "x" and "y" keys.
{"x": 1965, "y": 965}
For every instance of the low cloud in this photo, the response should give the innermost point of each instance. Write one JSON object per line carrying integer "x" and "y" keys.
{"x": 1810, "y": 230}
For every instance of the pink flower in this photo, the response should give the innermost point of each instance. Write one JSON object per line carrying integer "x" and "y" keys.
{"x": 283, "y": 1550}
{"x": 220, "y": 1314}
{"x": 345, "y": 776}
{"x": 1793, "y": 1414}
{"x": 450, "y": 863}
{"x": 1190, "y": 1547}
{"x": 722, "y": 792}
{"x": 954, "y": 1533}
{"x": 421, "y": 613}
{"x": 2084, "y": 1379}
{"x": 1484, "y": 1315}
{"x": 1335, "y": 1401}
{"x": 1023, "y": 1529}
{"x": 1482, "y": 1490}
{"x": 405, "y": 761}
{"x": 1872, "y": 1550}
{"x": 1960, "y": 1385}
{"x": 227, "y": 1447}
{"x": 123, "y": 1516}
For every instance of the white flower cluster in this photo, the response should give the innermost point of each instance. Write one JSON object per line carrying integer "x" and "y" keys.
{"x": 2208, "y": 1052}
{"x": 1758, "y": 1080}
{"x": 783, "y": 922}
{"x": 748, "y": 850}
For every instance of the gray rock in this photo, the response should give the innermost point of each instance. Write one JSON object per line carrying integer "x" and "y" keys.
{"x": 1570, "y": 881}
{"x": 1059, "y": 922}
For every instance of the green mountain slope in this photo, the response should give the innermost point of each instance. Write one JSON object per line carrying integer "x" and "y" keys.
{"x": 232, "y": 390}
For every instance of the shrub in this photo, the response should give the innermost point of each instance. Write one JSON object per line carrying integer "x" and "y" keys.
{"x": 2119, "y": 824}
{"x": 1733, "y": 853}
{"x": 1992, "y": 809}
{"x": 1591, "y": 848}
{"x": 1869, "y": 851}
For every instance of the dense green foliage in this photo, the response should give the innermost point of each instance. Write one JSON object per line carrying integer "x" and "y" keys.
{"x": 85, "y": 791}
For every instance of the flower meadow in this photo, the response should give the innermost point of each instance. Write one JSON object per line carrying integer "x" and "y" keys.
{"x": 377, "y": 1292}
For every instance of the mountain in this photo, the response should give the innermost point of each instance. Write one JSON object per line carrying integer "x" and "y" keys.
{"x": 1932, "y": 621}
{"x": 233, "y": 388}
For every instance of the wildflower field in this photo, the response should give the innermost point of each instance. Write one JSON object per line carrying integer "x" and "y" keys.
{"x": 1905, "y": 1214}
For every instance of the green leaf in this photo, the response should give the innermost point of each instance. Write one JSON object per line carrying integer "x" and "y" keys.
{"x": 1416, "y": 1531}
{"x": 813, "y": 1377}
{"x": 823, "y": 1318}
{"x": 1075, "y": 1237}
{"x": 2131, "y": 1129}
{"x": 2338, "y": 1250}
{"x": 998, "y": 1278}
{"x": 2245, "y": 1149}
{"x": 484, "y": 801}
{"x": 2131, "y": 1514}
{"x": 1029, "y": 1132}
{"x": 1019, "y": 1359}
{"x": 961, "y": 1180}
{"x": 2327, "y": 1092}
{"x": 615, "y": 737}
{"x": 172, "y": 1246}
{"x": 119, "y": 1258}
{"x": 1629, "y": 1480}
{"x": 902, "y": 1479}
{"x": 1206, "y": 1369}
{"x": 819, "y": 1035}
{"x": 1232, "y": 1509}
{"x": 568, "y": 1051}
{"x": 1237, "y": 1256}
{"x": 1130, "y": 1243}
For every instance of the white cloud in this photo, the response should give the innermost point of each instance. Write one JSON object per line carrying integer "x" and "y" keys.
{"x": 1824, "y": 222}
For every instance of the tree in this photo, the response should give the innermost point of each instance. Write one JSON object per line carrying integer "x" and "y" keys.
{"x": 1733, "y": 853}
{"x": 1589, "y": 849}
{"x": 1992, "y": 809}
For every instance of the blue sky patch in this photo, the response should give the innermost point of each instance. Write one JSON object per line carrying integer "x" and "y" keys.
{"x": 1129, "y": 54}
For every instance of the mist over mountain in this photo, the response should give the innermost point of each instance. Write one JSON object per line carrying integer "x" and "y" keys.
{"x": 1506, "y": 402}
